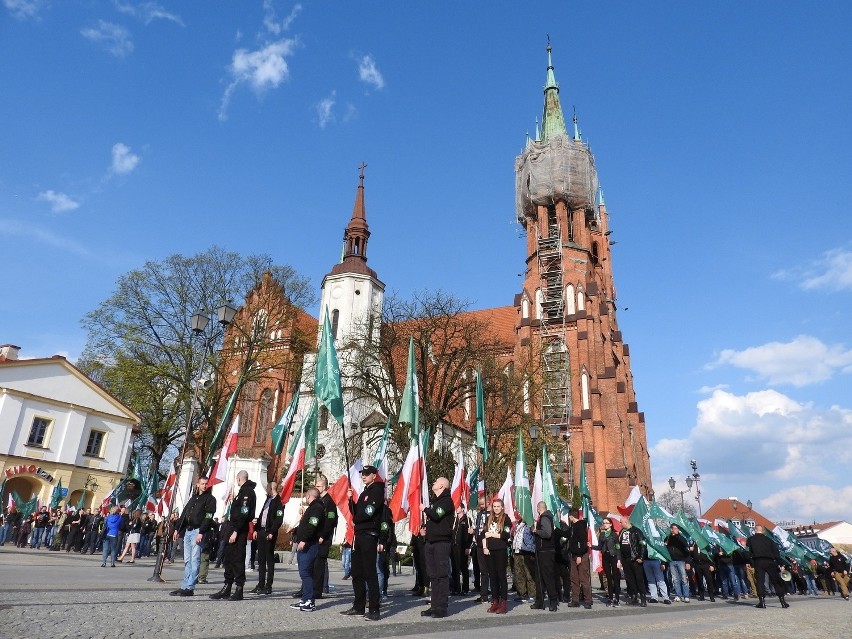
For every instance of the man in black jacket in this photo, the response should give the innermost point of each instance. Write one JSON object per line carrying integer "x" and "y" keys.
{"x": 438, "y": 520}
{"x": 307, "y": 546}
{"x": 634, "y": 551}
{"x": 367, "y": 519}
{"x": 545, "y": 558}
{"x": 240, "y": 515}
{"x": 767, "y": 561}
{"x": 839, "y": 569}
{"x": 578, "y": 546}
{"x": 268, "y": 522}
{"x": 194, "y": 523}
{"x": 329, "y": 524}
{"x": 459, "y": 552}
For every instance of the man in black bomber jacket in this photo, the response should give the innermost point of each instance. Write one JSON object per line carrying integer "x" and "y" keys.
{"x": 240, "y": 516}
{"x": 194, "y": 523}
{"x": 438, "y": 520}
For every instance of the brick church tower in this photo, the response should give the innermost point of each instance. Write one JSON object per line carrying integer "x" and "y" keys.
{"x": 567, "y": 309}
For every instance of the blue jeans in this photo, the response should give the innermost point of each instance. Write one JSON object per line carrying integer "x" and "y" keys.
{"x": 347, "y": 561}
{"x": 305, "y": 560}
{"x": 679, "y": 581}
{"x": 110, "y": 549}
{"x": 729, "y": 582}
{"x": 37, "y": 533}
{"x": 654, "y": 575}
{"x": 4, "y": 532}
{"x": 740, "y": 576}
{"x": 191, "y": 559}
{"x": 50, "y": 534}
{"x": 380, "y": 570}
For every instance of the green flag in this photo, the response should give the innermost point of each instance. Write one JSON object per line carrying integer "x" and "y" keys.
{"x": 282, "y": 427}
{"x": 721, "y": 540}
{"x": 327, "y": 386}
{"x": 481, "y": 439}
{"x": 382, "y": 450}
{"x": 692, "y": 530}
{"x": 737, "y": 532}
{"x": 660, "y": 513}
{"x": 522, "y": 495}
{"x": 642, "y": 519}
{"x": 216, "y": 442}
{"x": 409, "y": 410}
{"x": 548, "y": 489}
{"x": 294, "y": 440}
{"x": 81, "y": 503}
{"x": 473, "y": 482}
{"x": 56, "y": 495}
{"x": 311, "y": 431}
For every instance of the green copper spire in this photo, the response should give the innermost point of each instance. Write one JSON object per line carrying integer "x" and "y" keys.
{"x": 577, "y": 135}
{"x": 552, "y": 122}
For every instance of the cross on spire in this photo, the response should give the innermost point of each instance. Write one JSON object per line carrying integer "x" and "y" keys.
{"x": 361, "y": 168}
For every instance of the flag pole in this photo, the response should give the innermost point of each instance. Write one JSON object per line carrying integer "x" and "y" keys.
{"x": 346, "y": 456}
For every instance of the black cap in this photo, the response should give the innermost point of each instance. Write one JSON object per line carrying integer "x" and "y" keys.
{"x": 367, "y": 470}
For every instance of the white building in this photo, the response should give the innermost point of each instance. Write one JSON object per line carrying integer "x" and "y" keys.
{"x": 56, "y": 423}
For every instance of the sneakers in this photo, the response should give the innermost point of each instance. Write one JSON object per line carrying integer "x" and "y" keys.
{"x": 304, "y": 606}
{"x": 652, "y": 600}
{"x": 678, "y": 599}
{"x": 686, "y": 600}
{"x": 666, "y": 601}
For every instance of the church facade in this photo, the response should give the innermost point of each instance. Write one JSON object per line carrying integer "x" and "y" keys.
{"x": 566, "y": 310}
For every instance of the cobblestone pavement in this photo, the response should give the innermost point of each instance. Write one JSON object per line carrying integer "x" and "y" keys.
{"x": 57, "y": 595}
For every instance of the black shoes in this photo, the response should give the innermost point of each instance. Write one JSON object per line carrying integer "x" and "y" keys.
{"x": 352, "y": 612}
{"x": 426, "y": 613}
{"x": 372, "y": 615}
{"x": 553, "y": 608}
{"x": 588, "y": 606}
{"x": 537, "y": 606}
{"x": 761, "y": 603}
{"x": 257, "y": 590}
{"x": 439, "y": 614}
{"x": 783, "y": 601}
{"x": 182, "y": 592}
{"x": 224, "y": 593}
{"x": 267, "y": 591}
{"x": 238, "y": 594}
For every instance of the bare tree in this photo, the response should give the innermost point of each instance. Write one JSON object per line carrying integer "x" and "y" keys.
{"x": 675, "y": 502}
{"x": 141, "y": 348}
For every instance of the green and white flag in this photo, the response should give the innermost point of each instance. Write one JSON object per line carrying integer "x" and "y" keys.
{"x": 327, "y": 385}
{"x": 641, "y": 518}
{"x": 481, "y": 437}
{"x": 311, "y": 424}
{"x": 56, "y": 496}
{"x": 548, "y": 490}
{"x": 693, "y": 531}
{"x": 285, "y": 422}
{"x": 523, "y": 497}
{"x": 409, "y": 409}
{"x": 216, "y": 442}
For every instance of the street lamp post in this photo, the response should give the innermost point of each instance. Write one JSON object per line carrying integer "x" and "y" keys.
{"x": 673, "y": 483}
{"x": 198, "y": 324}
{"x": 696, "y": 479}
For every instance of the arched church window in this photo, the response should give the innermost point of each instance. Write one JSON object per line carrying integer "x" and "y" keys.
{"x": 570, "y": 305}
{"x": 335, "y": 320}
{"x": 264, "y": 417}
{"x": 595, "y": 255}
{"x": 248, "y": 403}
{"x": 584, "y": 389}
{"x": 581, "y": 299}
{"x": 539, "y": 299}
{"x": 525, "y": 308}
{"x": 259, "y": 323}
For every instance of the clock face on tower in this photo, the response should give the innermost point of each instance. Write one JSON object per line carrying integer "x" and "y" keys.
{"x": 336, "y": 292}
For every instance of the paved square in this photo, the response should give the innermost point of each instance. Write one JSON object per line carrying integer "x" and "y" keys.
{"x": 54, "y": 595}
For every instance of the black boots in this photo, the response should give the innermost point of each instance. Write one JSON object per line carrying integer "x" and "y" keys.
{"x": 224, "y": 593}
{"x": 761, "y": 602}
{"x": 783, "y": 601}
{"x": 238, "y": 594}
{"x": 258, "y": 589}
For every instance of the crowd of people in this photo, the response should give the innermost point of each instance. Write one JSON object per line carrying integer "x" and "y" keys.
{"x": 550, "y": 561}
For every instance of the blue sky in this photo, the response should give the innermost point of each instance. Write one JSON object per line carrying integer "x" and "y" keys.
{"x": 133, "y": 130}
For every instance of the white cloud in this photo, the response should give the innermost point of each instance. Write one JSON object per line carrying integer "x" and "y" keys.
{"x": 147, "y": 12}
{"x": 807, "y": 503}
{"x": 832, "y": 272}
{"x": 23, "y": 9}
{"x": 706, "y": 390}
{"x": 803, "y": 361}
{"x": 114, "y": 38}
{"x": 59, "y": 202}
{"x": 270, "y": 21}
{"x": 263, "y": 69}
{"x": 14, "y": 228}
{"x": 123, "y": 159}
{"x": 757, "y": 444}
{"x": 368, "y": 72}
{"x": 325, "y": 110}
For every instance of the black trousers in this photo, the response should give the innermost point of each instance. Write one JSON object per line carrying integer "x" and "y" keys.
{"x": 634, "y": 574}
{"x": 364, "y": 575}
{"x": 320, "y": 567}
{"x": 478, "y": 568}
{"x": 484, "y": 572}
{"x": 418, "y": 558}
{"x": 768, "y": 567}
{"x": 497, "y": 561}
{"x": 461, "y": 577}
{"x": 235, "y": 560}
{"x": 613, "y": 576}
{"x": 562, "y": 579}
{"x": 705, "y": 580}
{"x": 438, "y": 569}
{"x": 545, "y": 578}
{"x": 265, "y": 559}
